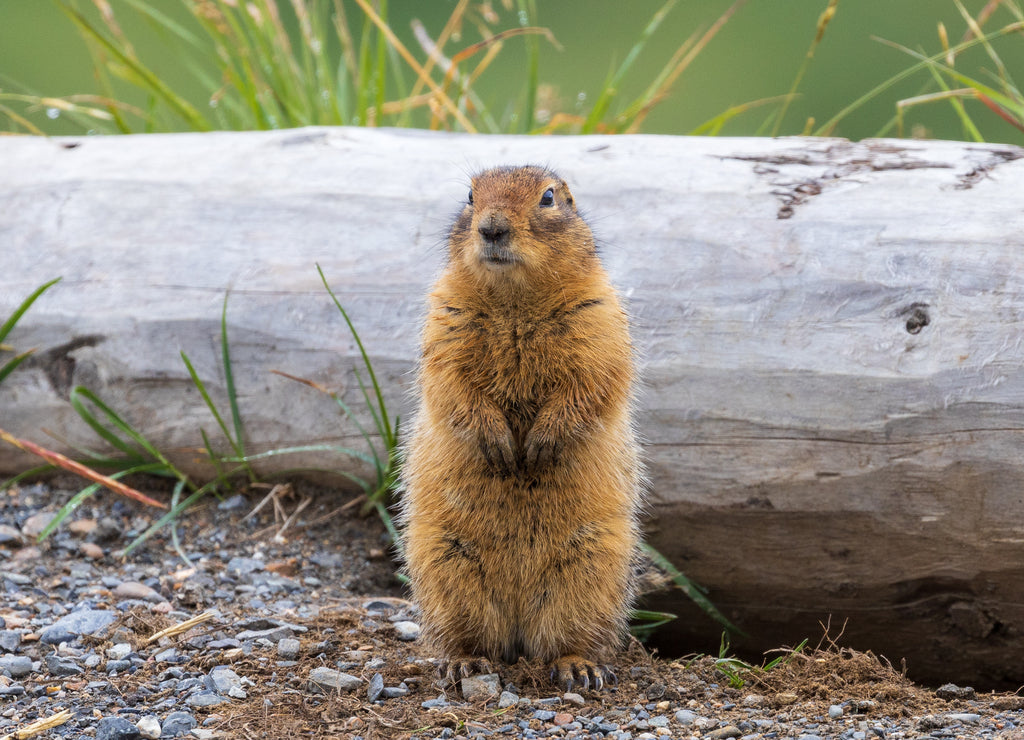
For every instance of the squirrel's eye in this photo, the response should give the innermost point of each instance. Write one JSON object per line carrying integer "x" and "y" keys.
{"x": 470, "y": 198}
{"x": 548, "y": 199}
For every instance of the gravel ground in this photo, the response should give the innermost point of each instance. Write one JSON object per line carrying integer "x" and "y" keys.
{"x": 307, "y": 635}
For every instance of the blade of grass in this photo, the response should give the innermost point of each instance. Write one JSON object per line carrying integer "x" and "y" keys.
{"x": 826, "y": 128}
{"x": 689, "y": 588}
{"x": 15, "y": 317}
{"x": 682, "y": 59}
{"x": 375, "y": 460}
{"x": 713, "y": 126}
{"x": 610, "y": 88}
{"x": 528, "y": 17}
{"x": 146, "y": 77}
{"x": 84, "y": 495}
{"x": 59, "y": 460}
{"x": 170, "y": 516}
{"x": 389, "y": 437}
{"x": 442, "y": 98}
{"x": 11, "y": 482}
{"x": 238, "y": 443}
{"x": 823, "y": 20}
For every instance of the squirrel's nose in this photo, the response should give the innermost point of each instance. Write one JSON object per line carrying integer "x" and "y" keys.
{"x": 494, "y": 227}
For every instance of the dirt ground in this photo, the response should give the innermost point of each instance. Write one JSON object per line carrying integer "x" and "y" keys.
{"x": 339, "y": 624}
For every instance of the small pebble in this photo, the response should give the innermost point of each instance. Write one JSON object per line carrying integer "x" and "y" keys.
{"x": 481, "y": 688}
{"x": 507, "y": 699}
{"x": 328, "y": 679}
{"x": 724, "y": 732}
{"x": 375, "y": 687}
{"x": 116, "y": 728}
{"x": 835, "y": 711}
{"x": 177, "y": 724}
{"x": 967, "y": 717}
{"x": 685, "y": 717}
{"x": 407, "y": 631}
{"x": 149, "y": 727}
{"x": 952, "y": 691}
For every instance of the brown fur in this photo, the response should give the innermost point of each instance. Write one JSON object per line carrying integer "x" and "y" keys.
{"x": 521, "y": 477}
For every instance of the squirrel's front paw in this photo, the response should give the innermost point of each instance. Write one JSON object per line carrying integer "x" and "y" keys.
{"x": 541, "y": 451}
{"x": 499, "y": 452}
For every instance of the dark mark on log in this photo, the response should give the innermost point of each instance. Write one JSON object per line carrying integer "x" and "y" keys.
{"x": 838, "y": 161}
{"x": 997, "y": 157}
{"x": 59, "y": 365}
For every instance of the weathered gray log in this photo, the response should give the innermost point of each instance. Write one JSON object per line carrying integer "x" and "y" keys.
{"x": 830, "y": 334}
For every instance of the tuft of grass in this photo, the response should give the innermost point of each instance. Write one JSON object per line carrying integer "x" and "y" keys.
{"x": 270, "y": 64}
{"x": 737, "y": 672}
{"x": 1000, "y": 95}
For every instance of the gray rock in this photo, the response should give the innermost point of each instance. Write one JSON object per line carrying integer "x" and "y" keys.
{"x": 117, "y": 666}
{"x": 659, "y": 721}
{"x": 544, "y": 715}
{"x": 136, "y": 590}
{"x": 16, "y": 665}
{"x": 58, "y": 665}
{"x": 395, "y": 692}
{"x": 725, "y": 732}
{"x": 120, "y": 651}
{"x": 274, "y": 634}
{"x": 328, "y": 679}
{"x": 81, "y": 622}
{"x": 116, "y": 728}
{"x": 225, "y": 681}
{"x": 9, "y": 640}
{"x": 966, "y": 717}
{"x": 237, "y": 567}
{"x": 481, "y": 688}
{"x": 177, "y": 724}
{"x": 205, "y": 699}
{"x": 574, "y": 698}
{"x": 407, "y": 631}
{"x": 375, "y": 687}
{"x": 288, "y": 648}
{"x": 438, "y": 703}
{"x": 835, "y": 711}
{"x": 10, "y": 535}
{"x": 952, "y": 691}
{"x": 149, "y": 727}
{"x": 233, "y": 503}
{"x": 507, "y": 699}
{"x": 685, "y": 717}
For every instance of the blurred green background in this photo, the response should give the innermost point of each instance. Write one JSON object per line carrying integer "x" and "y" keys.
{"x": 756, "y": 55}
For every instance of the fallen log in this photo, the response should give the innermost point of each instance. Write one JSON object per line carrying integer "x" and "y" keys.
{"x": 829, "y": 332}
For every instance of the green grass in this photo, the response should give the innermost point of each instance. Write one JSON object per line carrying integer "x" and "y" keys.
{"x": 270, "y": 64}
{"x": 9, "y": 366}
{"x": 999, "y": 94}
{"x": 737, "y": 672}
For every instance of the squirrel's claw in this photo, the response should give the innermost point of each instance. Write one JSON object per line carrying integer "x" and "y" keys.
{"x": 569, "y": 670}
{"x": 454, "y": 670}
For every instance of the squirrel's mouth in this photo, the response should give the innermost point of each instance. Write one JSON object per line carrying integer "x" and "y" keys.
{"x": 497, "y": 255}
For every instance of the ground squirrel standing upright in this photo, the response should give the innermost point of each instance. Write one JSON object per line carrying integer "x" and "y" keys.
{"x": 521, "y": 476}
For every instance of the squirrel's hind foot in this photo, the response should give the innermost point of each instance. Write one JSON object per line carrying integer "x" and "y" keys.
{"x": 570, "y": 670}
{"x": 455, "y": 669}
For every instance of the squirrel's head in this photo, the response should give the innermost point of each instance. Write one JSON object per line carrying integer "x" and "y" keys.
{"x": 520, "y": 224}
